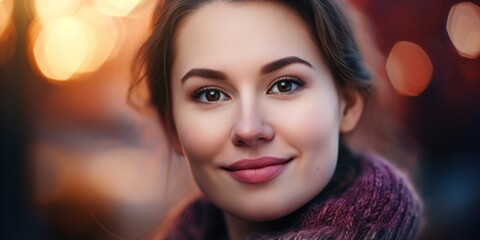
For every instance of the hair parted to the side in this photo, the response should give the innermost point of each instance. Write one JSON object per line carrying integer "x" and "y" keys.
{"x": 327, "y": 23}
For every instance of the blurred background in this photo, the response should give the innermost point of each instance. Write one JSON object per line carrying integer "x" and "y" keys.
{"x": 78, "y": 162}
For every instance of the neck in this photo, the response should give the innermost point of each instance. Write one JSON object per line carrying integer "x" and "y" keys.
{"x": 238, "y": 228}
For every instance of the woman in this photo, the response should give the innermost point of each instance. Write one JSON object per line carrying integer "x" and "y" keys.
{"x": 257, "y": 96}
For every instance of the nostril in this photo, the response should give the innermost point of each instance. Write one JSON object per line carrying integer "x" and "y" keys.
{"x": 241, "y": 142}
{"x": 251, "y": 131}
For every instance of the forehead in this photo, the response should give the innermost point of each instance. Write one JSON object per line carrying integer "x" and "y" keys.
{"x": 220, "y": 33}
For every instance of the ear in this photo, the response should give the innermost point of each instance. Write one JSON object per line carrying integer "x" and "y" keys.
{"x": 352, "y": 109}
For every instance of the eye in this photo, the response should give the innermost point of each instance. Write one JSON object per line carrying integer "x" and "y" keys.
{"x": 209, "y": 95}
{"x": 285, "y": 85}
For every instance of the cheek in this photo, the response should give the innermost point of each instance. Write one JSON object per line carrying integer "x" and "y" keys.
{"x": 311, "y": 124}
{"x": 201, "y": 135}
{"x": 313, "y": 129}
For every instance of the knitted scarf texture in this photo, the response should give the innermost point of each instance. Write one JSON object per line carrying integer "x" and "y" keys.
{"x": 378, "y": 204}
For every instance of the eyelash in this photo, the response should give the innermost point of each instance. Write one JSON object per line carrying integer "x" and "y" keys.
{"x": 300, "y": 84}
{"x": 201, "y": 93}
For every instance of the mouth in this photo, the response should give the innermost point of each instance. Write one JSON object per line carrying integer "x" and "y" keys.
{"x": 259, "y": 170}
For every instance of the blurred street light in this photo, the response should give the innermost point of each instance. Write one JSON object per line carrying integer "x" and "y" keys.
{"x": 463, "y": 27}
{"x": 409, "y": 68}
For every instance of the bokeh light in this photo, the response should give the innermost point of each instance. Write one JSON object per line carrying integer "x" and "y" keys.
{"x": 62, "y": 47}
{"x": 49, "y": 9}
{"x": 106, "y": 37}
{"x": 409, "y": 68}
{"x": 120, "y": 8}
{"x": 6, "y": 7}
{"x": 463, "y": 27}
{"x": 8, "y": 33}
{"x": 72, "y": 38}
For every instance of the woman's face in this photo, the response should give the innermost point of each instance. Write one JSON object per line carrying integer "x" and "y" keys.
{"x": 256, "y": 109}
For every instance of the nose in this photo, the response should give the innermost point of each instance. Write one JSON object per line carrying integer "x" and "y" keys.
{"x": 251, "y": 128}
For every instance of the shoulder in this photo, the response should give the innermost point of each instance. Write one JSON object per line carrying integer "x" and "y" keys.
{"x": 381, "y": 185}
{"x": 380, "y": 176}
{"x": 380, "y": 203}
{"x": 391, "y": 191}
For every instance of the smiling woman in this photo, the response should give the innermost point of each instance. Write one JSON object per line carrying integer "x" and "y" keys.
{"x": 257, "y": 96}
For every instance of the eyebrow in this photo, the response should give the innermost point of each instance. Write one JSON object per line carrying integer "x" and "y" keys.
{"x": 281, "y": 63}
{"x": 267, "y": 68}
{"x": 204, "y": 73}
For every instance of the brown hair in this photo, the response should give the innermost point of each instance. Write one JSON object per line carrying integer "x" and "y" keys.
{"x": 327, "y": 24}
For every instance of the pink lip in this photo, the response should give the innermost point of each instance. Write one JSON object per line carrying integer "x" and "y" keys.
{"x": 259, "y": 170}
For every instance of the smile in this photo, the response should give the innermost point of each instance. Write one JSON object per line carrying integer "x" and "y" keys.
{"x": 256, "y": 171}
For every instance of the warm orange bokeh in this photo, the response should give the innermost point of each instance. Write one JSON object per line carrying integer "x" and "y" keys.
{"x": 73, "y": 37}
{"x": 6, "y": 7}
{"x": 409, "y": 68}
{"x": 7, "y": 31}
{"x": 62, "y": 47}
{"x": 50, "y": 9}
{"x": 119, "y": 8}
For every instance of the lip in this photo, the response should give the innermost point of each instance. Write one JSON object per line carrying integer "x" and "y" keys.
{"x": 259, "y": 170}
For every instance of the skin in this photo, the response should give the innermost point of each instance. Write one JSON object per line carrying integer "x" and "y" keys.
{"x": 250, "y": 117}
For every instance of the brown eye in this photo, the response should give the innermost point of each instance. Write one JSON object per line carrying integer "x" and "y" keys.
{"x": 285, "y": 85}
{"x": 210, "y": 95}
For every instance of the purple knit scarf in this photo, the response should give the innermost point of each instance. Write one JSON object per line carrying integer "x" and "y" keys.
{"x": 378, "y": 204}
